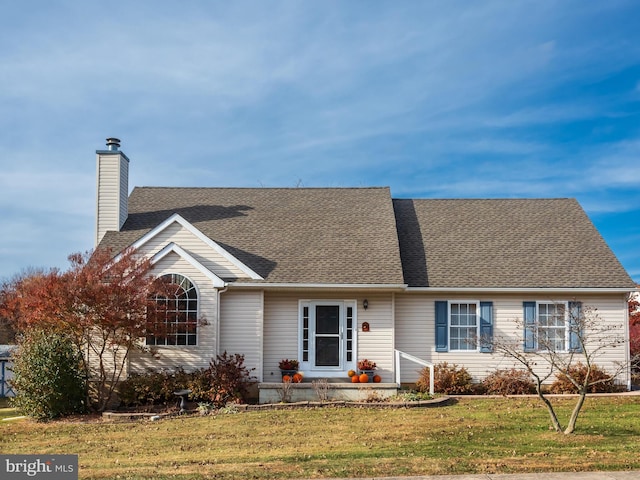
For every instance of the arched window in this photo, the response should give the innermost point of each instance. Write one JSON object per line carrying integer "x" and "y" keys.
{"x": 176, "y": 313}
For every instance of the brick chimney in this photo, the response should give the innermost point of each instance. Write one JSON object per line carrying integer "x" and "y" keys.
{"x": 112, "y": 193}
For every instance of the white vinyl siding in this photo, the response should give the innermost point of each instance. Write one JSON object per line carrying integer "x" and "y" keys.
{"x": 415, "y": 331}
{"x": 280, "y": 332}
{"x": 377, "y": 344}
{"x": 112, "y": 193}
{"x": 241, "y": 327}
{"x": 415, "y": 334}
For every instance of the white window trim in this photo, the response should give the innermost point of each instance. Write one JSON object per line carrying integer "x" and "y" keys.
{"x": 567, "y": 332}
{"x": 468, "y": 302}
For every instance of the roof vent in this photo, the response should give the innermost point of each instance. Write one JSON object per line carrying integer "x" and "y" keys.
{"x": 113, "y": 144}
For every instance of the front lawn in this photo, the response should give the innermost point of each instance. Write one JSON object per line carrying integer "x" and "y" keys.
{"x": 472, "y": 436}
{"x": 5, "y": 409}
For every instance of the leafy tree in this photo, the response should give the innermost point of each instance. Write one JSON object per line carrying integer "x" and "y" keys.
{"x": 590, "y": 338}
{"x": 104, "y": 306}
{"x": 7, "y": 331}
{"x": 634, "y": 308}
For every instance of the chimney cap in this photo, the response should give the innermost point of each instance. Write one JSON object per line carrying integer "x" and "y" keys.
{"x": 113, "y": 144}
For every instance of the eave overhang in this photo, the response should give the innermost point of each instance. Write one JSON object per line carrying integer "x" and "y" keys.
{"x": 519, "y": 290}
{"x": 390, "y": 287}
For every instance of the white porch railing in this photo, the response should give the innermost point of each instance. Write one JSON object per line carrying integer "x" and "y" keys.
{"x": 417, "y": 360}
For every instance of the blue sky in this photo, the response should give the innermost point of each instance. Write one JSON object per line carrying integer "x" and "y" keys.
{"x": 435, "y": 99}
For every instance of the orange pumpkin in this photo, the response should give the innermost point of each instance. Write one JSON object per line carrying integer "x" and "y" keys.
{"x": 351, "y": 373}
{"x": 377, "y": 379}
{"x": 286, "y": 379}
{"x": 355, "y": 379}
{"x": 364, "y": 378}
{"x": 297, "y": 378}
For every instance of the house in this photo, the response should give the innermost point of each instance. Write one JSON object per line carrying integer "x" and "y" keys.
{"x": 329, "y": 276}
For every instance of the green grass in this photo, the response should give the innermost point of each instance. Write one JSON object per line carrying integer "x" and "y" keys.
{"x": 5, "y": 409}
{"x": 472, "y": 436}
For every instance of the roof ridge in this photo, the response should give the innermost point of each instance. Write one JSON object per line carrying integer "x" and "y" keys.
{"x": 264, "y": 188}
{"x": 482, "y": 199}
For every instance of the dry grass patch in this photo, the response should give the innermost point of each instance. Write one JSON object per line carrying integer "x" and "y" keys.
{"x": 473, "y": 436}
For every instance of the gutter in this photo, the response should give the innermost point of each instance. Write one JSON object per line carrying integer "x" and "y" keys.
{"x": 318, "y": 286}
{"x": 219, "y": 291}
{"x": 397, "y": 287}
{"x": 520, "y": 289}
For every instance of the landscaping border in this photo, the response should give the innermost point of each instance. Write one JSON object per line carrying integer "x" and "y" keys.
{"x": 115, "y": 416}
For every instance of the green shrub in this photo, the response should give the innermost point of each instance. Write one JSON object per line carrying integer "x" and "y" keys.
{"x": 509, "y": 382}
{"x": 48, "y": 377}
{"x": 600, "y": 380}
{"x": 448, "y": 379}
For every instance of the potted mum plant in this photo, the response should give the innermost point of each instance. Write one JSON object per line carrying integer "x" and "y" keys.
{"x": 288, "y": 367}
{"x": 366, "y": 367}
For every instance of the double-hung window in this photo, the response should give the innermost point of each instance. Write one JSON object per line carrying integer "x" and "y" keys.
{"x": 463, "y": 325}
{"x": 551, "y": 326}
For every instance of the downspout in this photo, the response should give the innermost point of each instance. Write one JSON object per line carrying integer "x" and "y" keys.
{"x": 219, "y": 292}
{"x": 627, "y": 350}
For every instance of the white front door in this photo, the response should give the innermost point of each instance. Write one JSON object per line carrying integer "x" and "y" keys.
{"x": 327, "y": 337}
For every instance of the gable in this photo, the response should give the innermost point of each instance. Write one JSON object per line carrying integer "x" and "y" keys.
{"x": 175, "y": 256}
{"x": 177, "y": 233}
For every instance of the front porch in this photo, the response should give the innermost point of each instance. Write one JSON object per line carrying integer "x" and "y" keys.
{"x": 334, "y": 389}
{"x": 337, "y": 389}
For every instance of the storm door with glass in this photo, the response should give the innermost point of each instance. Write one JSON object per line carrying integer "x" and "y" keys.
{"x": 327, "y": 336}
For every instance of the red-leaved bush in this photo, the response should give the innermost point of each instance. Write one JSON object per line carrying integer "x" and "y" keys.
{"x": 448, "y": 379}
{"x": 509, "y": 382}
{"x": 599, "y": 380}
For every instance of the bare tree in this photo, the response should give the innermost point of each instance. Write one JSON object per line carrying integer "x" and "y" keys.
{"x": 567, "y": 336}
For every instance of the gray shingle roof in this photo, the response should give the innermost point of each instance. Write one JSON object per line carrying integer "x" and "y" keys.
{"x": 361, "y": 236}
{"x": 549, "y": 243}
{"x": 300, "y": 235}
